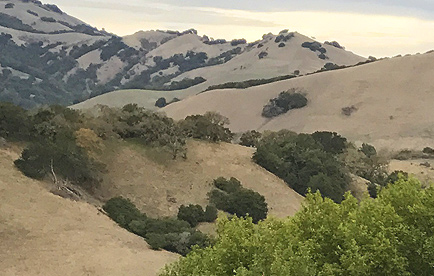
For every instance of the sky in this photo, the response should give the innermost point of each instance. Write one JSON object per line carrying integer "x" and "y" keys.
{"x": 367, "y": 27}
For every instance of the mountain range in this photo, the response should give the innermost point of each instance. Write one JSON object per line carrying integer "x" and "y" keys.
{"x": 50, "y": 57}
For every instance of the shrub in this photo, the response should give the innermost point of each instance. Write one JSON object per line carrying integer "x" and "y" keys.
{"x": 210, "y": 214}
{"x": 303, "y": 164}
{"x": 368, "y": 150}
{"x": 161, "y": 102}
{"x": 14, "y": 122}
{"x": 322, "y": 56}
{"x": 122, "y": 211}
{"x": 229, "y": 186}
{"x": 163, "y": 233}
{"x": 246, "y": 202}
{"x": 330, "y": 141}
{"x": 231, "y": 197}
{"x": 281, "y": 45}
{"x": 32, "y": 13}
{"x": 334, "y": 44}
{"x": 250, "y": 138}
{"x": 210, "y": 126}
{"x": 262, "y": 54}
{"x": 193, "y": 214}
{"x": 236, "y": 42}
{"x": 64, "y": 158}
{"x": 48, "y": 19}
{"x": 347, "y": 111}
{"x": 428, "y": 150}
{"x": 9, "y": 6}
{"x": 286, "y": 101}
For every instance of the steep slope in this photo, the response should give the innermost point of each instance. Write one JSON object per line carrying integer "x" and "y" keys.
{"x": 391, "y": 99}
{"x": 43, "y": 234}
{"x": 159, "y": 188}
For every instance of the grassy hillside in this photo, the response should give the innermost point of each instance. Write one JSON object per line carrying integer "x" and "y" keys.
{"x": 158, "y": 185}
{"x": 43, "y": 234}
{"x": 388, "y": 100}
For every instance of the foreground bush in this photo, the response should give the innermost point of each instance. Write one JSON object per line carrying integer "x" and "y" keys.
{"x": 391, "y": 235}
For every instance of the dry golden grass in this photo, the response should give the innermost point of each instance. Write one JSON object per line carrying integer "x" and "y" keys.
{"x": 43, "y": 234}
{"x": 160, "y": 187}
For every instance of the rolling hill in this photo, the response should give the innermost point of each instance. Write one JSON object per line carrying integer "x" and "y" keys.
{"x": 43, "y": 234}
{"x": 50, "y": 57}
{"x": 158, "y": 185}
{"x": 390, "y": 103}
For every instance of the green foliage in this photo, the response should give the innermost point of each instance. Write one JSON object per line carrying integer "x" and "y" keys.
{"x": 161, "y": 102}
{"x": 210, "y": 214}
{"x": 151, "y": 128}
{"x": 15, "y": 23}
{"x": 368, "y": 150}
{"x": 372, "y": 168}
{"x": 163, "y": 233}
{"x": 62, "y": 156}
{"x": 391, "y": 235}
{"x": 330, "y": 141}
{"x": 14, "y": 122}
{"x": 249, "y": 83}
{"x": 193, "y": 214}
{"x": 210, "y": 127}
{"x": 303, "y": 164}
{"x": 286, "y": 101}
{"x": 231, "y": 197}
{"x": 229, "y": 186}
{"x": 428, "y": 150}
{"x": 250, "y": 138}
{"x": 123, "y": 212}
{"x": 184, "y": 83}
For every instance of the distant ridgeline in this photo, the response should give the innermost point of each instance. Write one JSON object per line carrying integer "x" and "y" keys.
{"x": 43, "y": 68}
{"x": 49, "y": 57}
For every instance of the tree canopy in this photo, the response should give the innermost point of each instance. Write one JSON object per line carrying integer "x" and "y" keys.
{"x": 390, "y": 235}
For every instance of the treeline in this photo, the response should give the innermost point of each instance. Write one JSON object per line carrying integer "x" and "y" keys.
{"x": 322, "y": 161}
{"x": 248, "y": 83}
{"x": 390, "y": 235}
{"x": 63, "y": 142}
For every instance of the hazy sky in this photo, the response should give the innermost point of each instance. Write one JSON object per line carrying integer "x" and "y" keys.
{"x": 367, "y": 27}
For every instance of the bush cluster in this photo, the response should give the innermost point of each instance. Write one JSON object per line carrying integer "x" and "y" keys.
{"x": 284, "y": 37}
{"x": 194, "y": 214}
{"x": 164, "y": 233}
{"x": 304, "y": 163}
{"x": 250, "y": 138}
{"x": 334, "y": 44}
{"x": 286, "y": 101}
{"x": 236, "y": 42}
{"x": 231, "y": 197}
{"x": 210, "y": 127}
